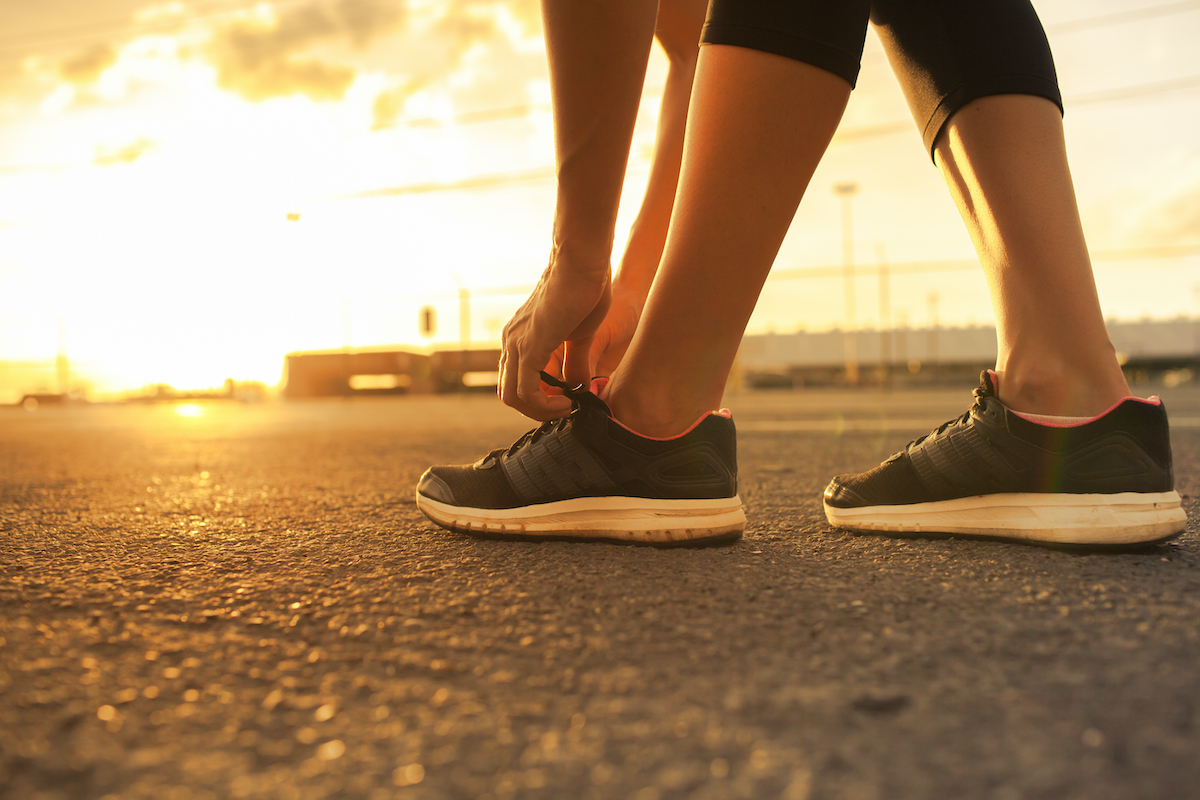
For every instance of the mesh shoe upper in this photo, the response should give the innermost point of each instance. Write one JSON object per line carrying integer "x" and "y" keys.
{"x": 991, "y": 450}
{"x": 588, "y": 454}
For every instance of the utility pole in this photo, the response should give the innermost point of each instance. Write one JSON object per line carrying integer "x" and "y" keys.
{"x": 347, "y": 354}
{"x": 885, "y": 319}
{"x": 62, "y": 366}
{"x": 933, "y": 332}
{"x": 846, "y": 191}
{"x": 1195, "y": 321}
{"x": 464, "y": 316}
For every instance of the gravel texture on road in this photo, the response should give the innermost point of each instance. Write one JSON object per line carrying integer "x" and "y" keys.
{"x": 247, "y": 604}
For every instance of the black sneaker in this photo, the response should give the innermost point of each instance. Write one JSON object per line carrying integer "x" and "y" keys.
{"x": 586, "y": 476}
{"x": 992, "y": 473}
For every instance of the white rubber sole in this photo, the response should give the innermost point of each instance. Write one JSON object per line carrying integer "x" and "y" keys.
{"x": 1128, "y": 518}
{"x": 620, "y": 519}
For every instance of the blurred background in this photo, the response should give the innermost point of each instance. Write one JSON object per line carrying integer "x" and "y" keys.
{"x": 189, "y": 191}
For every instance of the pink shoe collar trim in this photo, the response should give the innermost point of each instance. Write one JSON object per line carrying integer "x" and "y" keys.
{"x": 1153, "y": 400}
{"x": 598, "y": 385}
{"x": 1150, "y": 401}
{"x": 724, "y": 412}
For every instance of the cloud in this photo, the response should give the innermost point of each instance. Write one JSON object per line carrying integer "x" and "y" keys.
{"x": 469, "y": 47}
{"x": 467, "y": 23}
{"x": 364, "y": 20}
{"x": 263, "y": 57}
{"x": 319, "y": 48}
{"x": 470, "y": 22}
{"x": 389, "y": 104}
{"x": 317, "y": 80}
{"x": 1174, "y": 220}
{"x": 125, "y": 154}
{"x": 86, "y": 67}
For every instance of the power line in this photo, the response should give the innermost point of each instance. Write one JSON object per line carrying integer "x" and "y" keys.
{"x": 474, "y": 182}
{"x": 71, "y": 33}
{"x": 469, "y": 117}
{"x": 113, "y": 29}
{"x": 500, "y": 179}
{"x": 843, "y": 136}
{"x": 971, "y": 265}
{"x": 905, "y": 267}
{"x": 116, "y": 29}
{"x": 1130, "y": 92}
{"x": 847, "y": 135}
{"x": 871, "y": 131}
{"x": 1122, "y": 17}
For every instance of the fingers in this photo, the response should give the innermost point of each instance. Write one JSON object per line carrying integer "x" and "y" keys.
{"x": 520, "y": 387}
{"x": 532, "y": 401}
{"x": 562, "y": 308}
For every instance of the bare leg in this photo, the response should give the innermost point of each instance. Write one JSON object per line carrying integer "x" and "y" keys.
{"x": 597, "y": 55}
{"x": 678, "y": 31}
{"x": 757, "y": 127}
{"x": 596, "y": 81}
{"x": 1005, "y": 162}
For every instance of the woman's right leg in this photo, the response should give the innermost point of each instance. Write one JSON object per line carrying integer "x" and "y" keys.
{"x": 757, "y": 128}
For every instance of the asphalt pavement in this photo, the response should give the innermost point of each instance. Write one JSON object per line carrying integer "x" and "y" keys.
{"x": 246, "y": 603}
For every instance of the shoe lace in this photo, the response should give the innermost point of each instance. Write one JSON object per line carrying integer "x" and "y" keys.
{"x": 978, "y": 395}
{"x": 576, "y": 395}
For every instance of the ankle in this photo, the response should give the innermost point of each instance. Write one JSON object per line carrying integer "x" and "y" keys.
{"x": 1055, "y": 389}
{"x": 657, "y": 414}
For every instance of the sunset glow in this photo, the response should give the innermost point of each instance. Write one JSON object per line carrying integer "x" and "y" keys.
{"x": 190, "y": 410}
{"x": 190, "y": 190}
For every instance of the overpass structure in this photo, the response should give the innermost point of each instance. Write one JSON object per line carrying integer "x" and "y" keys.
{"x": 1147, "y": 350}
{"x": 386, "y": 371}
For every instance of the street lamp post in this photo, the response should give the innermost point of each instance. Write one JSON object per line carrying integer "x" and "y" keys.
{"x": 885, "y": 319}
{"x": 464, "y": 316}
{"x": 932, "y": 347}
{"x": 846, "y": 191}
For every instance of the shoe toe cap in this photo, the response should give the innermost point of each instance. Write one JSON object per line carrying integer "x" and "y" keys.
{"x": 434, "y": 488}
{"x": 839, "y": 495}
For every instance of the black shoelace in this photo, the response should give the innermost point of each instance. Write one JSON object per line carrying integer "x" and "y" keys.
{"x": 978, "y": 395}
{"x": 576, "y": 395}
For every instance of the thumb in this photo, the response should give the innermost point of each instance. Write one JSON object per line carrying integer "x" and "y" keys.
{"x": 577, "y": 364}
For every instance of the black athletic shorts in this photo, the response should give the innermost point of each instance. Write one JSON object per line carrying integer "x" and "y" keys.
{"x": 945, "y": 53}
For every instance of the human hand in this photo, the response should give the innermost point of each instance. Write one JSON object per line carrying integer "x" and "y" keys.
{"x": 615, "y": 333}
{"x": 612, "y": 337}
{"x": 565, "y": 309}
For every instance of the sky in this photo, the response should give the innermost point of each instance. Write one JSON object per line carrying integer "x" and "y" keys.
{"x": 190, "y": 190}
